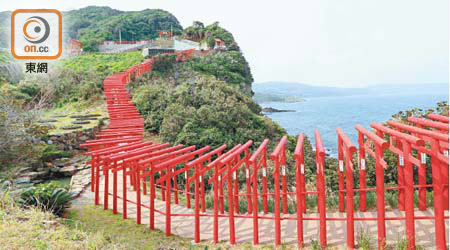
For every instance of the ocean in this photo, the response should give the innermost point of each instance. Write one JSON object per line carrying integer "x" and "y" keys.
{"x": 328, "y": 112}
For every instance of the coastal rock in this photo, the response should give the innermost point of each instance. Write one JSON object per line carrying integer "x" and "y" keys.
{"x": 273, "y": 110}
{"x": 37, "y": 175}
{"x": 68, "y": 170}
{"x": 23, "y": 180}
{"x": 26, "y": 169}
{"x": 79, "y": 181}
{"x": 55, "y": 169}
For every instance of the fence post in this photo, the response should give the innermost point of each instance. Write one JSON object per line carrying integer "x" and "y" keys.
{"x": 175, "y": 187}
{"x": 254, "y": 178}
{"x": 264, "y": 183}
{"x": 115, "y": 188}
{"x": 300, "y": 168}
{"x": 144, "y": 180}
{"x": 248, "y": 183}
{"x": 168, "y": 199}
{"x": 409, "y": 196}
{"x": 93, "y": 168}
{"x": 97, "y": 184}
{"x": 341, "y": 193}
{"x": 202, "y": 190}
{"x": 401, "y": 178}
{"x": 362, "y": 173}
{"x": 236, "y": 190}
{"x": 106, "y": 186}
{"x": 216, "y": 206}
{"x": 230, "y": 204}
{"x": 347, "y": 150}
{"x": 124, "y": 192}
{"x": 445, "y": 180}
{"x": 196, "y": 206}
{"x": 277, "y": 158}
{"x": 422, "y": 173}
{"x": 188, "y": 195}
{"x": 138, "y": 195}
{"x": 439, "y": 222}
{"x": 284, "y": 179}
{"x": 321, "y": 200}
{"x": 276, "y": 176}
{"x": 152, "y": 197}
{"x": 255, "y": 203}
{"x": 221, "y": 195}
{"x": 380, "y": 195}
{"x": 163, "y": 191}
{"x": 350, "y": 205}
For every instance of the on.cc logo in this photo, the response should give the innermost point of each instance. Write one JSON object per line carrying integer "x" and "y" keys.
{"x": 41, "y": 29}
{"x": 36, "y": 34}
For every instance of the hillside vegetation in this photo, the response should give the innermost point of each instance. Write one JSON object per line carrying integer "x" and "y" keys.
{"x": 200, "y": 33}
{"x": 71, "y": 85}
{"x": 190, "y": 104}
{"x": 95, "y": 24}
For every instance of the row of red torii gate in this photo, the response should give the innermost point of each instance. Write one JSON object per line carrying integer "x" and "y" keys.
{"x": 151, "y": 167}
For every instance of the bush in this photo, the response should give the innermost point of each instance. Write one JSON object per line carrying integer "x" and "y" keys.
{"x": 48, "y": 197}
{"x": 164, "y": 63}
{"x": 207, "y": 112}
{"x": 51, "y": 152}
{"x": 229, "y": 66}
{"x": 18, "y": 129}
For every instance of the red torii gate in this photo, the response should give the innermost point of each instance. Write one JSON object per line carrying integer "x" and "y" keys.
{"x": 346, "y": 150}
{"x": 125, "y": 131}
{"x": 261, "y": 153}
{"x": 406, "y": 159}
{"x": 168, "y": 167}
{"x": 198, "y": 179}
{"x": 149, "y": 164}
{"x": 217, "y": 182}
{"x": 435, "y": 140}
{"x": 380, "y": 145}
{"x": 441, "y": 128}
{"x": 232, "y": 162}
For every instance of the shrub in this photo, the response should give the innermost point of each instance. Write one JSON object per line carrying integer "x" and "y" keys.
{"x": 18, "y": 129}
{"x": 208, "y": 112}
{"x": 229, "y": 66}
{"x": 163, "y": 63}
{"x": 51, "y": 152}
{"x": 48, "y": 197}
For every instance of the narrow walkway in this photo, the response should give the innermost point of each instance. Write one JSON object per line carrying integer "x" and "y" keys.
{"x": 336, "y": 230}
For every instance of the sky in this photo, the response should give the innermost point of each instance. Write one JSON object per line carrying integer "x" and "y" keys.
{"x": 347, "y": 43}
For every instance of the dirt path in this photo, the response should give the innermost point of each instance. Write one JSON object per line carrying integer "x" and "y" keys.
{"x": 336, "y": 230}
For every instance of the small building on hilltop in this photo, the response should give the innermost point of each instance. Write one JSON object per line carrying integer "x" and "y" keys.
{"x": 219, "y": 44}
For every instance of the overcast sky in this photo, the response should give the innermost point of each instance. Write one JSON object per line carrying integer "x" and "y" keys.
{"x": 320, "y": 42}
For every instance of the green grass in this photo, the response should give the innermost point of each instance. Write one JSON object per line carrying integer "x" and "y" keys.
{"x": 365, "y": 241}
{"x": 35, "y": 229}
{"x": 115, "y": 233}
{"x": 62, "y": 183}
{"x": 119, "y": 233}
{"x": 402, "y": 244}
{"x": 70, "y": 109}
{"x": 104, "y": 63}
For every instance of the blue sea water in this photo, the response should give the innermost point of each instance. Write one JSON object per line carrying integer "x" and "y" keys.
{"x": 330, "y": 112}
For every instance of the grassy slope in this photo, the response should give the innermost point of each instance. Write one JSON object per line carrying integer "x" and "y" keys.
{"x": 90, "y": 227}
{"x": 126, "y": 234}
